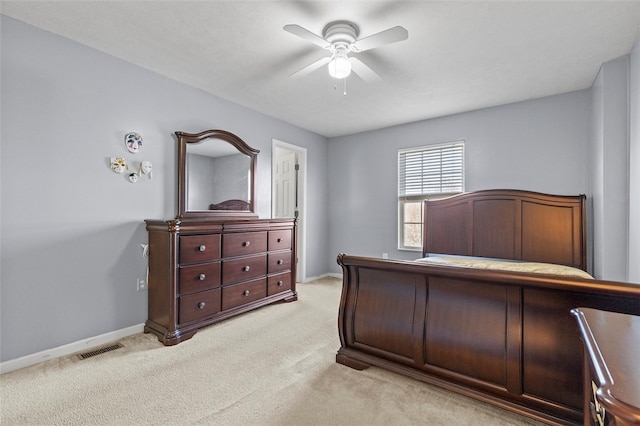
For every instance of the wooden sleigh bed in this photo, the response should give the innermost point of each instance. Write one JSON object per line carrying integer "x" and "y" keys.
{"x": 504, "y": 337}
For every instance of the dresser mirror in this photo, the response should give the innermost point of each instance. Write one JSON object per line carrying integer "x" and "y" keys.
{"x": 216, "y": 171}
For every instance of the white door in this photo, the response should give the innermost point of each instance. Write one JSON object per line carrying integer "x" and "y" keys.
{"x": 285, "y": 185}
{"x": 288, "y": 187}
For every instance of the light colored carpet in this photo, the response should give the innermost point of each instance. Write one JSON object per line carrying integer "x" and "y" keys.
{"x": 272, "y": 366}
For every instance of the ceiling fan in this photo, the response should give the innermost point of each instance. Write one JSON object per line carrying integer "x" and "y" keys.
{"x": 341, "y": 38}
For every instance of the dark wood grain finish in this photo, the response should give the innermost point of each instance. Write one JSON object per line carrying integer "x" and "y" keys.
{"x": 238, "y": 205}
{"x": 243, "y": 293}
{"x": 611, "y": 369}
{"x": 505, "y": 338}
{"x": 279, "y": 261}
{"x": 278, "y": 283}
{"x": 231, "y": 209}
{"x": 244, "y": 243}
{"x": 465, "y": 329}
{"x": 199, "y": 248}
{"x": 203, "y": 276}
{"x": 509, "y": 224}
{"x": 371, "y": 329}
{"x": 502, "y": 337}
{"x": 279, "y": 240}
{"x": 244, "y": 268}
{"x": 190, "y": 291}
{"x": 199, "y": 305}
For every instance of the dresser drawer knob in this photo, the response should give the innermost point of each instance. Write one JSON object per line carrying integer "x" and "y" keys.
{"x": 203, "y": 247}
{"x": 280, "y": 283}
{"x": 202, "y": 277}
{"x": 246, "y": 268}
{"x": 280, "y": 261}
{"x": 246, "y": 292}
{"x": 201, "y": 305}
{"x": 246, "y": 243}
{"x": 279, "y": 240}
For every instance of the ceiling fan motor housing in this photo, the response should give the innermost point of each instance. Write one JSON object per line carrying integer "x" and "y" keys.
{"x": 341, "y": 34}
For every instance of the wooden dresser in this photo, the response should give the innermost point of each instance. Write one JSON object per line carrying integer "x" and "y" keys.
{"x": 611, "y": 366}
{"x": 204, "y": 270}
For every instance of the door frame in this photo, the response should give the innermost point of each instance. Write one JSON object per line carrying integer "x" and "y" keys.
{"x": 301, "y": 274}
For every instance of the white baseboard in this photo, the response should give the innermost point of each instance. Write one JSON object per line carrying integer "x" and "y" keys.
{"x": 334, "y": 275}
{"x": 81, "y": 345}
{"x": 91, "y": 342}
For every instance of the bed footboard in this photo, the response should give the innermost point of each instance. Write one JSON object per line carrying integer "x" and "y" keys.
{"x": 501, "y": 337}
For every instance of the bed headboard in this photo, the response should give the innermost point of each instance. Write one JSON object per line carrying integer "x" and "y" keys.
{"x": 508, "y": 224}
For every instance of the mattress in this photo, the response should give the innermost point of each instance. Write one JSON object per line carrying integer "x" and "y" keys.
{"x": 503, "y": 265}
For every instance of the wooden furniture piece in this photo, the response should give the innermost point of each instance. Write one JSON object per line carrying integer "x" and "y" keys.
{"x": 203, "y": 271}
{"x": 611, "y": 367}
{"x": 240, "y": 205}
{"x": 216, "y": 175}
{"x": 211, "y": 263}
{"x": 506, "y": 338}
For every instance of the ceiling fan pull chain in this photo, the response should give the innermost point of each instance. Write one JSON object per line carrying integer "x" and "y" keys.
{"x": 344, "y": 90}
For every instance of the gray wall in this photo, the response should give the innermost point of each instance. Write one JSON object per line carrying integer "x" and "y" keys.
{"x": 71, "y": 228}
{"x": 539, "y": 145}
{"x": 634, "y": 164}
{"x": 609, "y": 176}
{"x": 582, "y": 142}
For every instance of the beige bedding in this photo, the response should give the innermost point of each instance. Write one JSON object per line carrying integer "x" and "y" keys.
{"x": 504, "y": 265}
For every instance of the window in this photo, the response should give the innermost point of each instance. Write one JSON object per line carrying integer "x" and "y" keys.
{"x": 428, "y": 172}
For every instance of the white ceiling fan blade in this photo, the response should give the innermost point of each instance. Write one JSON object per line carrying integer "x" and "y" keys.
{"x": 307, "y": 35}
{"x": 363, "y": 71}
{"x": 392, "y": 35}
{"x": 311, "y": 68}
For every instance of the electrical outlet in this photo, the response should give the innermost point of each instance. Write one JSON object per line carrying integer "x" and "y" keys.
{"x": 142, "y": 285}
{"x": 385, "y": 255}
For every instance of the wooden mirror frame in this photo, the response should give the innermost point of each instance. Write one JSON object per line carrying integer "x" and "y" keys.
{"x": 185, "y": 139}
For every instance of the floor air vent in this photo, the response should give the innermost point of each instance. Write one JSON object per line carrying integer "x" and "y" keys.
{"x": 99, "y": 351}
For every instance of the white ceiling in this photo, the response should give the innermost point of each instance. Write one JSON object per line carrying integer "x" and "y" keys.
{"x": 459, "y": 56}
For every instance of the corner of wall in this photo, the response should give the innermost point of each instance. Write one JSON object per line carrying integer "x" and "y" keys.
{"x": 609, "y": 174}
{"x": 634, "y": 163}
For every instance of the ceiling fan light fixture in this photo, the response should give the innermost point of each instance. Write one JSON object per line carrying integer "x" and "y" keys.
{"x": 340, "y": 65}
{"x": 341, "y": 38}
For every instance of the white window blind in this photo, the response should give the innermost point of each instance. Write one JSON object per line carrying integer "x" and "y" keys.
{"x": 436, "y": 169}
{"x": 428, "y": 172}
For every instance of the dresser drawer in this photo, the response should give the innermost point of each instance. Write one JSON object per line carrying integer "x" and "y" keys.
{"x": 244, "y": 268}
{"x": 278, "y": 283}
{"x": 199, "y": 305}
{"x": 198, "y": 248}
{"x": 279, "y": 240}
{"x": 278, "y": 262}
{"x": 240, "y": 294}
{"x": 203, "y": 276}
{"x": 244, "y": 243}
